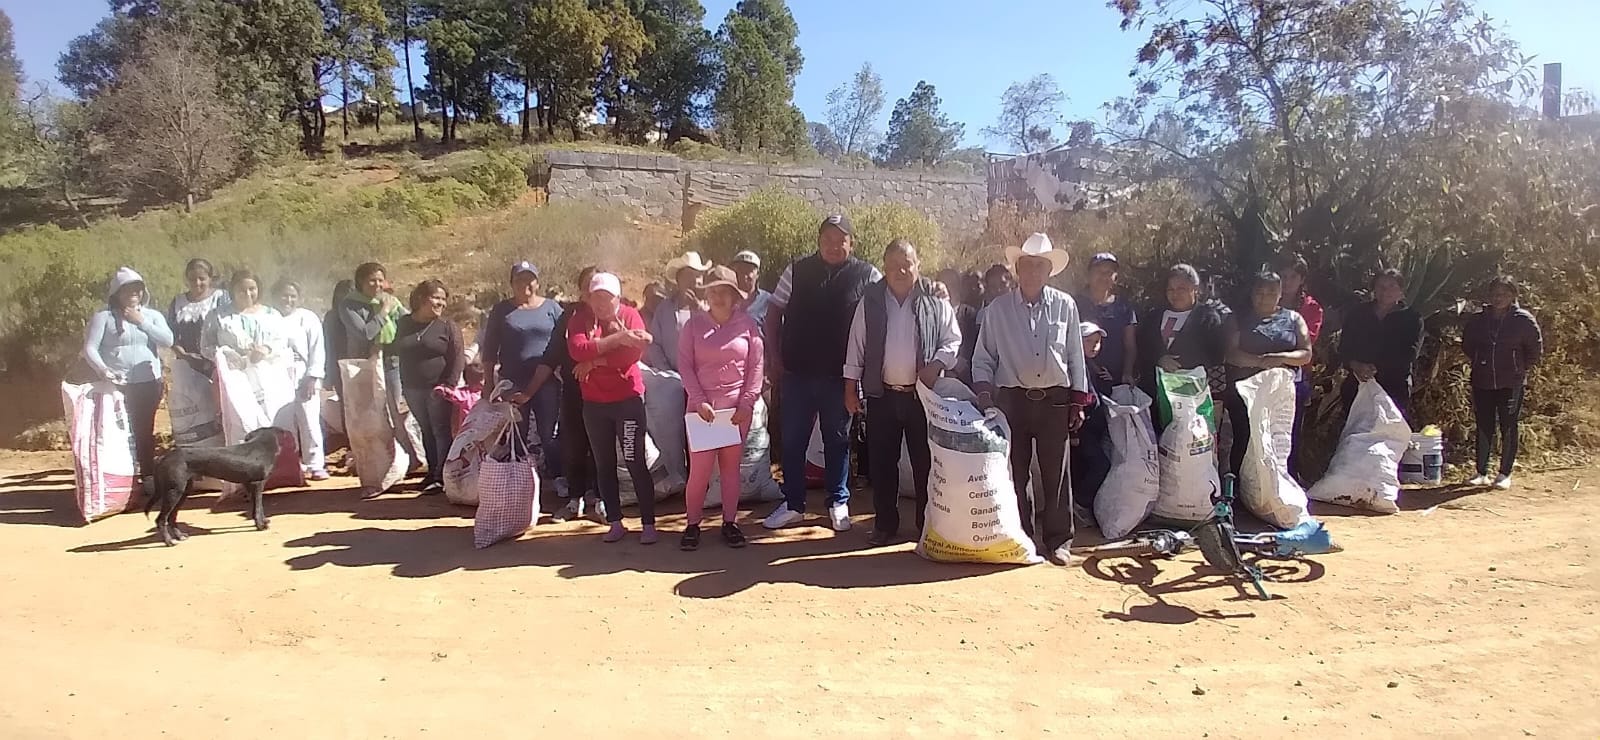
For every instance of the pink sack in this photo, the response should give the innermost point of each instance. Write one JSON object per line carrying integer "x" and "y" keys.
{"x": 102, "y": 449}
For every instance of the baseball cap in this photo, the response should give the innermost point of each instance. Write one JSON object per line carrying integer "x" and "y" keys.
{"x": 522, "y": 266}
{"x": 748, "y": 257}
{"x": 607, "y": 282}
{"x": 1089, "y": 329}
{"x": 1104, "y": 257}
{"x": 838, "y": 221}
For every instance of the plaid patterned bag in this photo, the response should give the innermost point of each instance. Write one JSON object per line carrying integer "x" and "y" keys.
{"x": 508, "y": 491}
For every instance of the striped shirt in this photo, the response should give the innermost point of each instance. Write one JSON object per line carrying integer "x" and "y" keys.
{"x": 1031, "y": 345}
{"x": 785, "y": 288}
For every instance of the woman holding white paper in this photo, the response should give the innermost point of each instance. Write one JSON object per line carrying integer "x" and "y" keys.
{"x": 720, "y": 356}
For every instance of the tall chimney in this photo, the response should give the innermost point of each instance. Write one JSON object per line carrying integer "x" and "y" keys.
{"x": 1552, "y": 91}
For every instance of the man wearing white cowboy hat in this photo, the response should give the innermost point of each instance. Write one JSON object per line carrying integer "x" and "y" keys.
{"x": 672, "y": 313}
{"x": 664, "y": 395}
{"x": 1029, "y": 362}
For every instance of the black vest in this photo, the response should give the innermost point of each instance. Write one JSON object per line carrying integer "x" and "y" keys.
{"x": 816, "y": 322}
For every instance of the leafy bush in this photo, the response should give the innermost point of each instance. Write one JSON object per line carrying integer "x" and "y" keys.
{"x": 500, "y": 176}
{"x": 776, "y": 225}
{"x": 782, "y": 227}
{"x": 878, "y": 224}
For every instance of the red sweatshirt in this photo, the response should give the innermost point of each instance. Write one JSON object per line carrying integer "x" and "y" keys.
{"x": 618, "y": 379}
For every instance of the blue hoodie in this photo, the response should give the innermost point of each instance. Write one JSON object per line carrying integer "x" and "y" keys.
{"x": 122, "y": 352}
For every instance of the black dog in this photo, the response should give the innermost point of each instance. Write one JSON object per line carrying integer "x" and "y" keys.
{"x": 247, "y": 463}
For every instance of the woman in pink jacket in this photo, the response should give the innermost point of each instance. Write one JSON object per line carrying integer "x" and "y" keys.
{"x": 719, "y": 354}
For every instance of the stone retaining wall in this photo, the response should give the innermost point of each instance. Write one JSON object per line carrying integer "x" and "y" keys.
{"x": 666, "y": 188}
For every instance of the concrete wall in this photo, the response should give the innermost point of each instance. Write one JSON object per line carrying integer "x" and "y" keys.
{"x": 666, "y": 188}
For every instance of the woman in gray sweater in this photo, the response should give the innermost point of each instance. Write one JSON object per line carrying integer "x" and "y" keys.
{"x": 122, "y": 344}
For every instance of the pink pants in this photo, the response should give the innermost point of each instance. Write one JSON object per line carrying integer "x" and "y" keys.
{"x": 726, "y": 461}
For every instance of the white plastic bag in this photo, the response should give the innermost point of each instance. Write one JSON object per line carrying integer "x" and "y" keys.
{"x": 1134, "y": 482}
{"x": 102, "y": 449}
{"x": 664, "y": 404}
{"x": 755, "y": 465}
{"x": 380, "y": 462}
{"x": 972, "y": 514}
{"x": 1188, "y": 448}
{"x": 485, "y": 424}
{"x": 1364, "y": 473}
{"x": 1265, "y": 486}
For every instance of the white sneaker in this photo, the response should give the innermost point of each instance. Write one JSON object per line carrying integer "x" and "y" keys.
{"x": 782, "y": 517}
{"x": 1503, "y": 483}
{"x": 572, "y": 512}
{"x": 1480, "y": 481}
{"x": 839, "y": 516}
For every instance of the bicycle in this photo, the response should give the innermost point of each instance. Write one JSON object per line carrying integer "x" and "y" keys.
{"x": 1221, "y": 544}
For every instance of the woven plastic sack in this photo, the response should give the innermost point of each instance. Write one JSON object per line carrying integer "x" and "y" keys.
{"x": 1265, "y": 486}
{"x": 1133, "y": 484}
{"x": 1365, "y": 471}
{"x": 1188, "y": 447}
{"x": 102, "y": 449}
{"x": 380, "y": 462}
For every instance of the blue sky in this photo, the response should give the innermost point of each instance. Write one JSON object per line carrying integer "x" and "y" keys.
{"x": 969, "y": 50}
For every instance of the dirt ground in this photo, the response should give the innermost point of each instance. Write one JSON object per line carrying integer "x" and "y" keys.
{"x": 1465, "y": 615}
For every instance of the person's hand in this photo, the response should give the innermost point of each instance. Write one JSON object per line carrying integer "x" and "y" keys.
{"x": 741, "y": 417}
{"x": 852, "y": 403}
{"x": 582, "y": 369}
{"x": 259, "y": 353}
{"x": 985, "y": 400}
{"x": 930, "y": 373}
{"x": 388, "y": 303}
{"x": 1364, "y": 371}
{"x": 1169, "y": 364}
{"x": 941, "y": 291}
{"x": 518, "y": 398}
{"x": 637, "y": 338}
{"x": 1104, "y": 373}
{"x": 706, "y": 413}
{"x": 307, "y": 390}
{"x": 1130, "y": 379}
{"x": 133, "y": 315}
{"x": 1074, "y": 418}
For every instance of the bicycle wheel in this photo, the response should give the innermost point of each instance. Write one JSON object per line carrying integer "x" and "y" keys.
{"x": 1215, "y": 539}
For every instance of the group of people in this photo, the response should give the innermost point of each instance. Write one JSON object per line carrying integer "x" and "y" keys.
{"x": 837, "y": 339}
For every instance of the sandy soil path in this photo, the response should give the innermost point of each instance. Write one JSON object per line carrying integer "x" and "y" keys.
{"x": 1463, "y": 616}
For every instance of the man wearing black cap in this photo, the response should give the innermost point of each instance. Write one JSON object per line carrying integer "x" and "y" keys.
{"x": 806, "y": 358}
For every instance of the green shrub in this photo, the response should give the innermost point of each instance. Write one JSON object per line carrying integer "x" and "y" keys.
{"x": 500, "y": 176}
{"x": 691, "y": 149}
{"x": 782, "y": 227}
{"x": 878, "y": 224}
{"x": 776, "y": 225}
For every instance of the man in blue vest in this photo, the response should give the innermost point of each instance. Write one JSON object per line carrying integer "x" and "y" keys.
{"x": 806, "y": 358}
{"x": 902, "y": 334}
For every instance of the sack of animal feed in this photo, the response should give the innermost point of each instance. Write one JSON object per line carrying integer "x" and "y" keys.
{"x": 255, "y": 395}
{"x": 1188, "y": 447}
{"x": 972, "y": 513}
{"x": 485, "y": 425}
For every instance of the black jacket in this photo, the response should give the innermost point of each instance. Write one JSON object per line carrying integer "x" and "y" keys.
{"x": 1201, "y": 342}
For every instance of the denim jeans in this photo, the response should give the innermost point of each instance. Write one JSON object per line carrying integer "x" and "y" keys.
{"x": 1498, "y": 409}
{"x": 806, "y": 400}
{"x": 433, "y": 417}
{"x": 539, "y": 414}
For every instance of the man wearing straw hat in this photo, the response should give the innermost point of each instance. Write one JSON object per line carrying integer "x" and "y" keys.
{"x": 1029, "y": 362}
{"x": 664, "y": 395}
